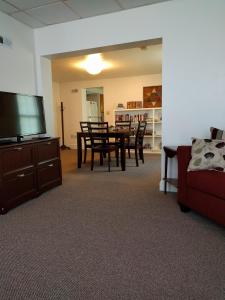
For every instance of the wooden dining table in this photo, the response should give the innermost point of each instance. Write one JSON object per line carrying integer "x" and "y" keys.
{"x": 118, "y": 135}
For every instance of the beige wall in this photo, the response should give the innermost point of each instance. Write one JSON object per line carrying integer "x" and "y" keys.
{"x": 118, "y": 90}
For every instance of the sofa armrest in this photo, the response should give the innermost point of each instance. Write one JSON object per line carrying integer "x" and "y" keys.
{"x": 183, "y": 157}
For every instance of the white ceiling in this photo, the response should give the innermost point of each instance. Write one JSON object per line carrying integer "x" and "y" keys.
{"x": 39, "y": 13}
{"x": 129, "y": 62}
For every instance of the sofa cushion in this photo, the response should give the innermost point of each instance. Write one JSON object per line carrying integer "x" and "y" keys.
{"x": 207, "y": 154}
{"x": 210, "y": 182}
{"x": 217, "y": 134}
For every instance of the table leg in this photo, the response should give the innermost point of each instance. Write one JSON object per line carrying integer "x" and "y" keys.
{"x": 123, "y": 154}
{"x": 101, "y": 158}
{"x": 79, "y": 150}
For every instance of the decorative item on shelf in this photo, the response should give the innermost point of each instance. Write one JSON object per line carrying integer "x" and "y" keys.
{"x": 139, "y": 104}
{"x": 134, "y": 104}
{"x": 120, "y": 106}
{"x": 130, "y": 104}
{"x": 145, "y": 117}
{"x": 119, "y": 118}
{"x": 127, "y": 117}
{"x": 150, "y": 119}
{"x": 149, "y": 131}
{"x": 152, "y": 96}
{"x": 147, "y": 146}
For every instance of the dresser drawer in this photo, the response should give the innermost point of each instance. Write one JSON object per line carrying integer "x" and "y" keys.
{"x": 16, "y": 158}
{"x": 28, "y": 169}
{"x": 49, "y": 175}
{"x": 18, "y": 187}
{"x": 47, "y": 150}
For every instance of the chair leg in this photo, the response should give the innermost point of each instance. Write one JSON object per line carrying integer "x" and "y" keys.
{"x": 109, "y": 159}
{"x": 85, "y": 154}
{"x": 141, "y": 154}
{"x": 92, "y": 160}
{"x": 142, "y": 157}
{"x": 136, "y": 157}
{"x": 129, "y": 152}
{"x": 117, "y": 157}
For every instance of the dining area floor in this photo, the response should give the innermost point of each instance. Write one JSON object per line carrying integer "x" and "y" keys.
{"x": 69, "y": 162}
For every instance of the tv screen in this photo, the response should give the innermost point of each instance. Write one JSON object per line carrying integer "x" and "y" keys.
{"x": 21, "y": 115}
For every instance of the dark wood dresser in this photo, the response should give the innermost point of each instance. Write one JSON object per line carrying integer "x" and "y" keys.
{"x": 28, "y": 169}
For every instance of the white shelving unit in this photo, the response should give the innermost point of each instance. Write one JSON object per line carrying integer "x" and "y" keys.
{"x": 153, "y": 116}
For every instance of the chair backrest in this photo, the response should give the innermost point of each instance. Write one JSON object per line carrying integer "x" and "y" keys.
{"x": 139, "y": 136}
{"x": 84, "y": 126}
{"x": 98, "y": 127}
{"x": 84, "y": 129}
{"x": 123, "y": 125}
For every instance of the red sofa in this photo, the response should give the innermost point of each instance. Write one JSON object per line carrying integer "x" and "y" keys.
{"x": 203, "y": 191}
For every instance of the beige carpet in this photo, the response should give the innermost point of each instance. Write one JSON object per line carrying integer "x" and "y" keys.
{"x": 107, "y": 236}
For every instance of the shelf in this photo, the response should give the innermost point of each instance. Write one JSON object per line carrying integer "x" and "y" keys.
{"x": 148, "y": 136}
{"x": 148, "y": 122}
{"x": 135, "y": 109}
{"x": 153, "y": 118}
{"x": 145, "y": 136}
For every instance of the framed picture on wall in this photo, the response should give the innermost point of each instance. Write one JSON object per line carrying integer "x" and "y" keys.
{"x": 152, "y": 96}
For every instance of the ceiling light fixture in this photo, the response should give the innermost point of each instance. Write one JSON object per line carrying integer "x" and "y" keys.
{"x": 94, "y": 64}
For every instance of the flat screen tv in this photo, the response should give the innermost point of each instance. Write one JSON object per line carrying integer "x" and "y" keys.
{"x": 21, "y": 115}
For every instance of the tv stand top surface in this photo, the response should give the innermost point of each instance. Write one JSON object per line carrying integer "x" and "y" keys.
{"x": 7, "y": 143}
{"x": 42, "y": 138}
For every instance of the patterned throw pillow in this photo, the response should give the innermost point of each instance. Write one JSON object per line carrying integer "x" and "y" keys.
{"x": 207, "y": 154}
{"x": 217, "y": 134}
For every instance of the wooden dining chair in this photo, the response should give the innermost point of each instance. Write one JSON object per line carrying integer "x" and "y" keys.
{"x": 124, "y": 126}
{"x": 138, "y": 146}
{"x": 101, "y": 144}
{"x": 87, "y": 140}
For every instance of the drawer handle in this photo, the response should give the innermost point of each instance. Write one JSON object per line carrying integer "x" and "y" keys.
{"x": 18, "y": 148}
{"x": 51, "y": 165}
{"x": 48, "y": 143}
{"x": 21, "y": 175}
